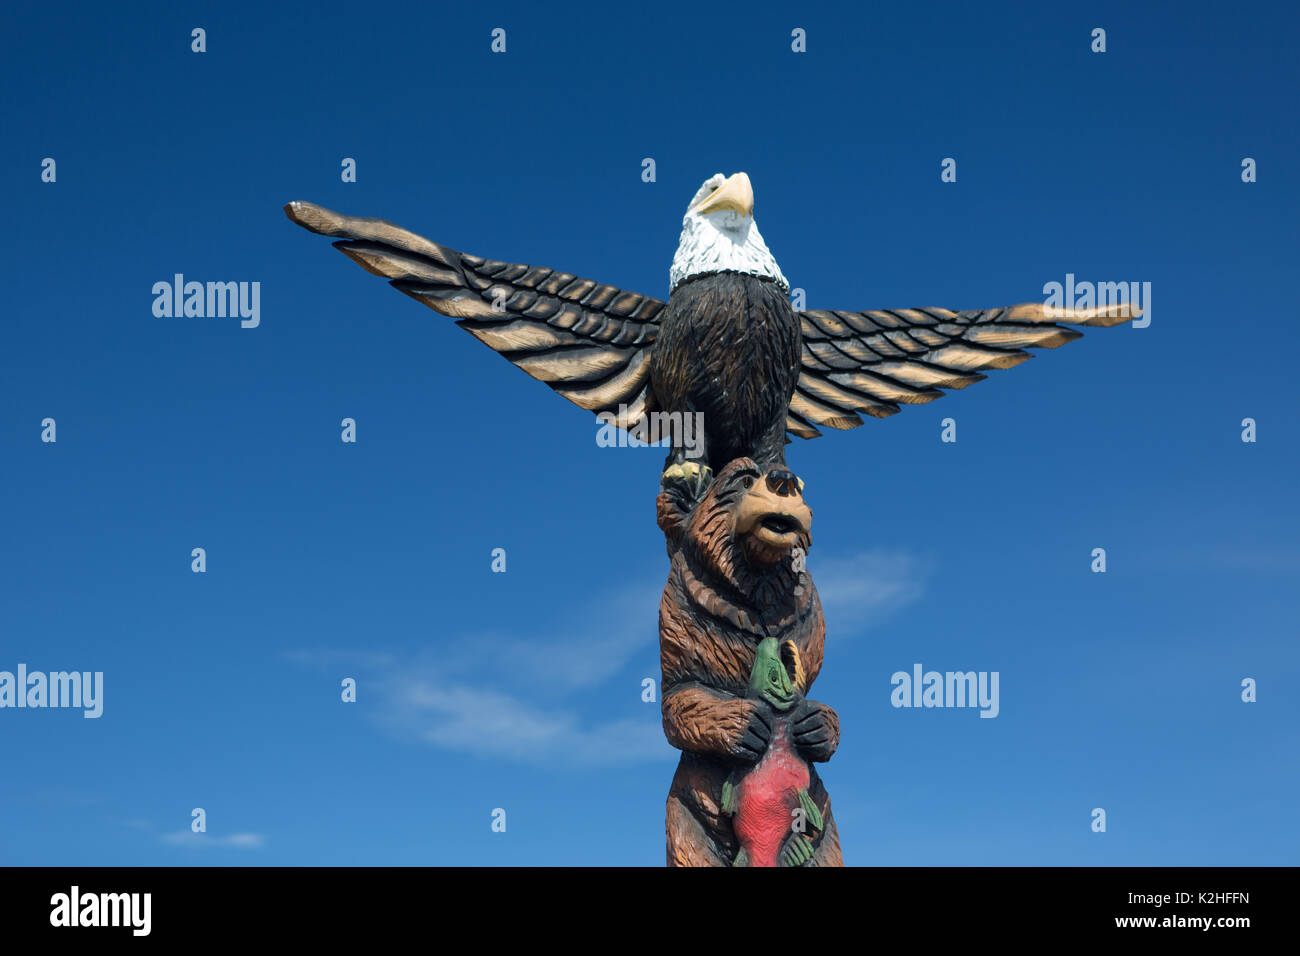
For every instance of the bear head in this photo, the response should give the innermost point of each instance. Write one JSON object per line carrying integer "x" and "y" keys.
{"x": 743, "y": 533}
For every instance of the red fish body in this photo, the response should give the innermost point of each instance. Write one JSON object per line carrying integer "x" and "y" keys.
{"x": 766, "y": 797}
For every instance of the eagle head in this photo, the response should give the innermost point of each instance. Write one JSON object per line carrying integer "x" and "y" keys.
{"x": 719, "y": 234}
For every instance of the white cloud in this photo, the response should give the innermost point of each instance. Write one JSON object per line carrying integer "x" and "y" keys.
{"x": 492, "y": 723}
{"x": 504, "y": 696}
{"x": 474, "y": 693}
{"x": 862, "y": 590}
{"x": 240, "y": 841}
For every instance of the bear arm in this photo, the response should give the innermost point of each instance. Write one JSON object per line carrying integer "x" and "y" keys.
{"x": 702, "y": 720}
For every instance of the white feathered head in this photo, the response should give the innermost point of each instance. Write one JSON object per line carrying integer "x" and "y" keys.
{"x": 719, "y": 234}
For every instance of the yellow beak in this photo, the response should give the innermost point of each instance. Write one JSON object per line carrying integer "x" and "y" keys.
{"x": 736, "y": 193}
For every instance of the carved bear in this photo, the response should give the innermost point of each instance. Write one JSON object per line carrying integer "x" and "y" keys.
{"x": 734, "y": 581}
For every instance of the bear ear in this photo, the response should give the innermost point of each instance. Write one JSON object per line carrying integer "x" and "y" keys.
{"x": 730, "y": 469}
{"x": 793, "y": 663}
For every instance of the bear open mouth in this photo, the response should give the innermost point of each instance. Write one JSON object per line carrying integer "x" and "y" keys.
{"x": 781, "y": 524}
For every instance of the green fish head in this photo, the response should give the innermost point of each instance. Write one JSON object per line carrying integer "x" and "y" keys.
{"x": 769, "y": 679}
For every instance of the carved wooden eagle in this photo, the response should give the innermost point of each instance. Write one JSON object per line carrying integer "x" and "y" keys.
{"x": 726, "y": 344}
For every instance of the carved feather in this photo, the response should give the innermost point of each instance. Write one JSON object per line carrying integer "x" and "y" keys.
{"x": 588, "y": 341}
{"x": 874, "y": 361}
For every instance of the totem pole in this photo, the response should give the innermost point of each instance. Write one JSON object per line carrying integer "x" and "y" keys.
{"x": 741, "y": 630}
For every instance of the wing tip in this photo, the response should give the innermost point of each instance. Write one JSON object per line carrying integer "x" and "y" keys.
{"x": 311, "y": 217}
{"x": 1100, "y": 316}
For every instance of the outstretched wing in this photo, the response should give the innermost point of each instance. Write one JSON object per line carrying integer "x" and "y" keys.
{"x": 590, "y": 342}
{"x": 875, "y": 361}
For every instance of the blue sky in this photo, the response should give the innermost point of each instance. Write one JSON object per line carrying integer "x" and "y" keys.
{"x": 523, "y": 690}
